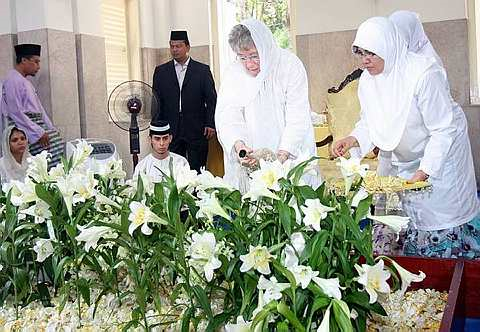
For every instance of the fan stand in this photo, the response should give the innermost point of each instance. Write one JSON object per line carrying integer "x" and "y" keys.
{"x": 134, "y": 106}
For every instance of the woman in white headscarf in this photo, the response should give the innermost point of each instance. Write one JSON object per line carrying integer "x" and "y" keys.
{"x": 262, "y": 103}
{"x": 407, "y": 109}
{"x": 13, "y": 164}
{"x": 411, "y": 29}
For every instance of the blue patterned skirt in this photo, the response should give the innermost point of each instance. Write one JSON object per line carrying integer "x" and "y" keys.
{"x": 461, "y": 241}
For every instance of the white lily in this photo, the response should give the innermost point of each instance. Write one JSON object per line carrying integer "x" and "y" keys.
{"x": 141, "y": 215}
{"x": 257, "y": 190}
{"x": 40, "y": 210}
{"x": 258, "y": 258}
{"x": 50, "y": 230}
{"x": 92, "y": 235}
{"x": 314, "y": 212}
{"x": 325, "y": 324}
{"x": 202, "y": 250}
{"x": 84, "y": 186}
{"x": 374, "y": 279}
{"x": 185, "y": 177}
{"x": 351, "y": 167}
{"x": 292, "y": 250}
{"x": 66, "y": 186}
{"x": 207, "y": 180}
{"x": 396, "y": 223}
{"x": 38, "y": 166}
{"x": 240, "y": 326}
{"x": 102, "y": 199}
{"x": 303, "y": 275}
{"x": 331, "y": 287}
{"x": 43, "y": 248}
{"x": 113, "y": 169}
{"x": 56, "y": 172}
{"x": 209, "y": 207}
{"x": 269, "y": 174}
{"x": 273, "y": 288}
{"x": 406, "y": 276}
{"x": 359, "y": 196}
{"x": 81, "y": 151}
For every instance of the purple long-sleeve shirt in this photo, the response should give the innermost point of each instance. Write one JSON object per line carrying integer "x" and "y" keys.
{"x": 18, "y": 98}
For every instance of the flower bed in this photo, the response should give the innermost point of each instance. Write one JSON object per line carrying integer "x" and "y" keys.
{"x": 283, "y": 256}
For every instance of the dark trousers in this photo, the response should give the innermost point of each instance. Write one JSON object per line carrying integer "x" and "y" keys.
{"x": 195, "y": 154}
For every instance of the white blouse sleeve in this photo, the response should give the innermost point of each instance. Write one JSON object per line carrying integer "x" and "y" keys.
{"x": 437, "y": 110}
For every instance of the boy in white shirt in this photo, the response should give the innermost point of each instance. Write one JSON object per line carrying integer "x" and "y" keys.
{"x": 158, "y": 160}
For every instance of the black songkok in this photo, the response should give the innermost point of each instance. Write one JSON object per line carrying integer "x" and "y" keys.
{"x": 179, "y": 35}
{"x": 24, "y": 50}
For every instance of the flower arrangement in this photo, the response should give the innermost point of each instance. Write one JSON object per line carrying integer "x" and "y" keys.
{"x": 191, "y": 252}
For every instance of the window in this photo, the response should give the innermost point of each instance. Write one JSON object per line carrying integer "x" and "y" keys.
{"x": 116, "y": 44}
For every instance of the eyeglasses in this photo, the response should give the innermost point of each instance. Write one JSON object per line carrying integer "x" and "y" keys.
{"x": 245, "y": 58}
{"x": 360, "y": 52}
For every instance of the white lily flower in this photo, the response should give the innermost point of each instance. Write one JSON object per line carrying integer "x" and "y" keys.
{"x": 257, "y": 190}
{"x": 325, "y": 324}
{"x": 40, "y": 210}
{"x": 66, "y": 186}
{"x": 113, "y": 169}
{"x": 258, "y": 258}
{"x": 351, "y": 167}
{"x": 21, "y": 192}
{"x": 374, "y": 279}
{"x": 84, "y": 186}
{"x": 359, "y": 196}
{"x": 81, "y": 152}
{"x": 314, "y": 212}
{"x": 185, "y": 177}
{"x": 51, "y": 231}
{"x": 396, "y": 223}
{"x": 273, "y": 288}
{"x": 293, "y": 204}
{"x": 102, "y": 199}
{"x": 56, "y": 172}
{"x": 296, "y": 248}
{"x": 269, "y": 174}
{"x": 209, "y": 207}
{"x": 406, "y": 276}
{"x": 141, "y": 215}
{"x": 303, "y": 275}
{"x": 91, "y": 235}
{"x": 43, "y": 248}
{"x": 240, "y": 326}
{"x": 38, "y": 166}
{"x": 207, "y": 180}
{"x": 202, "y": 250}
{"x": 331, "y": 287}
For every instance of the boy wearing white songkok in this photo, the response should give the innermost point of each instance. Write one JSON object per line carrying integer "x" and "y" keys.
{"x": 159, "y": 159}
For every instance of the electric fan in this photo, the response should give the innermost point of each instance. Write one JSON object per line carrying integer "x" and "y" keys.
{"x": 127, "y": 106}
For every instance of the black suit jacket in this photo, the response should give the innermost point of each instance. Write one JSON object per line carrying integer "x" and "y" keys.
{"x": 198, "y": 100}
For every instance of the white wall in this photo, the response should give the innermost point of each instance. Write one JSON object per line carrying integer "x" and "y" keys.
{"x": 158, "y": 17}
{"x": 317, "y": 16}
{"x": 7, "y": 22}
{"x": 40, "y": 14}
{"x": 87, "y": 17}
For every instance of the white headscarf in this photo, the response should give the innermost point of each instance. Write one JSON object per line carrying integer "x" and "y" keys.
{"x": 240, "y": 90}
{"x": 411, "y": 29}
{"x": 12, "y": 169}
{"x": 386, "y": 98}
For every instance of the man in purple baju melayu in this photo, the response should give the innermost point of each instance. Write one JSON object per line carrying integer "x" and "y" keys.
{"x": 20, "y": 105}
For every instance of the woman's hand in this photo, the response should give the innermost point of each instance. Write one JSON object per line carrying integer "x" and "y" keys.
{"x": 418, "y": 176}
{"x": 282, "y": 155}
{"x": 243, "y": 154}
{"x": 342, "y": 146}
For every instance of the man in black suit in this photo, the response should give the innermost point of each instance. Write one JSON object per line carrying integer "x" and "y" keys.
{"x": 186, "y": 99}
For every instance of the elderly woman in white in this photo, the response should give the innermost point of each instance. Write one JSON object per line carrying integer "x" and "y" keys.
{"x": 263, "y": 102}
{"x": 407, "y": 109}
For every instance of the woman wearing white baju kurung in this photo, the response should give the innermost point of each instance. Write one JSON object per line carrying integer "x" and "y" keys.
{"x": 407, "y": 109}
{"x": 15, "y": 149}
{"x": 263, "y": 103}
